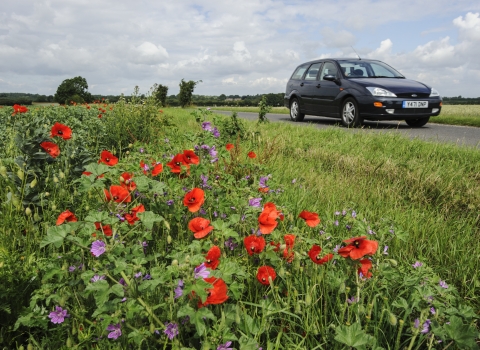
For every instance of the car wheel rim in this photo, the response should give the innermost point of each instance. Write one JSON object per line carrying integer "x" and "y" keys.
{"x": 349, "y": 112}
{"x": 294, "y": 110}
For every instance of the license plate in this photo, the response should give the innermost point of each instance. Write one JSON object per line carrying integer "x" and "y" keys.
{"x": 415, "y": 104}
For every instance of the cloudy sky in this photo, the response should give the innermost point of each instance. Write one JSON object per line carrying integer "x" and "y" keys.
{"x": 242, "y": 47}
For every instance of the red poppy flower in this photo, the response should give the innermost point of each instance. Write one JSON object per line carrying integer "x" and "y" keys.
{"x": 67, "y": 216}
{"x": 268, "y": 217}
{"x": 358, "y": 248}
{"x": 51, "y": 148}
{"x": 314, "y": 254}
{"x": 61, "y": 130}
{"x": 194, "y": 199}
{"x": 118, "y": 194}
{"x": 252, "y": 154}
{"x": 365, "y": 267}
{"x": 264, "y": 272}
{"x": 126, "y": 181}
{"x": 87, "y": 173}
{"x": 229, "y": 146}
{"x": 217, "y": 294}
{"x": 108, "y": 158}
{"x": 200, "y": 227}
{"x": 276, "y": 245}
{"x": 263, "y": 189}
{"x": 254, "y": 244}
{"x": 19, "y": 109}
{"x": 288, "y": 252}
{"x": 177, "y": 162}
{"x": 132, "y": 216}
{"x": 311, "y": 219}
{"x": 190, "y": 157}
{"x": 213, "y": 257}
{"x": 157, "y": 168}
{"x": 106, "y": 229}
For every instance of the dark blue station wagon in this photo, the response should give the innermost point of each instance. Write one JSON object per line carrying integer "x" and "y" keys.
{"x": 355, "y": 90}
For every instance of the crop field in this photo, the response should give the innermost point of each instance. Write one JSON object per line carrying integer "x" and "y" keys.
{"x": 134, "y": 226}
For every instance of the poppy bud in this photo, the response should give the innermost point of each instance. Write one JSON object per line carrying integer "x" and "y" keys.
{"x": 3, "y": 171}
{"x": 36, "y": 217}
{"x": 152, "y": 328}
{"x": 169, "y": 239}
{"x": 187, "y": 259}
{"x": 55, "y": 178}
{"x": 28, "y": 211}
{"x": 128, "y": 152}
{"x": 20, "y": 174}
{"x": 54, "y": 207}
{"x": 281, "y": 272}
{"x": 30, "y": 346}
{"x": 174, "y": 262}
{"x": 392, "y": 319}
{"x": 33, "y": 183}
{"x": 308, "y": 300}
{"x": 87, "y": 207}
{"x": 61, "y": 175}
{"x": 130, "y": 145}
{"x": 74, "y": 329}
{"x": 298, "y": 309}
{"x": 69, "y": 342}
{"x": 122, "y": 179}
{"x": 47, "y": 194}
{"x": 21, "y": 347}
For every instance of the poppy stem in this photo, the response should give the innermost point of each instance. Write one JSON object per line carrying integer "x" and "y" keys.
{"x": 149, "y": 310}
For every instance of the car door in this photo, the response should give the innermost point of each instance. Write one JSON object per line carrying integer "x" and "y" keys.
{"x": 327, "y": 91}
{"x": 309, "y": 87}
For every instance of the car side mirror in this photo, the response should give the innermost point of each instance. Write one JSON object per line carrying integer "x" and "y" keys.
{"x": 329, "y": 77}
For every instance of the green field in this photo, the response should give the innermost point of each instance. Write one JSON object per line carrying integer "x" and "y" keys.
{"x": 419, "y": 202}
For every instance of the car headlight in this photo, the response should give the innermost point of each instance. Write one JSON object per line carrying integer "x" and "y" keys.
{"x": 376, "y": 91}
{"x": 434, "y": 93}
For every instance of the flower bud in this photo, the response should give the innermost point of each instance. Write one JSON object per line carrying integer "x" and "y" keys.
{"x": 392, "y": 319}
{"x": 20, "y": 174}
{"x": 33, "y": 183}
{"x": 308, "y": 300}
{"x": 37, "y": 217}
{"x": 61, "y": 175}
{"x": 3, "y": 171}
{"x": 130, "y": 145}
{"x": 28, "y": 211}
{"x": 122, "y": 179}
{"x": 69, "y": 342}
{"x": 169, "y": 239}
{"x": 29, "y": 346}
{"x": 54, "y": 207}
{"x": 152, "y": 328}
{"x": 174, "y": 262}
{"x": 187, "y": 259}
{"x": 127, "y": 152}
{"x": 55, "y": 178}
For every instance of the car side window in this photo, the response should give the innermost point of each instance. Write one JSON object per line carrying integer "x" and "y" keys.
{"x": 313, "y": 71}
{"x": 328, "y": 69}
{"x": 298, "y": 74}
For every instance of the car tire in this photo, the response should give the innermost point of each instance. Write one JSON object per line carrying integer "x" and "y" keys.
{"x": 417, "y": 123}
{"x": 350, "y": 114}
{"x": 295, "y": 113}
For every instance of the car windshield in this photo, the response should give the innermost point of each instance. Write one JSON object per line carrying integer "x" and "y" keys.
{"x": 368, "y": 69}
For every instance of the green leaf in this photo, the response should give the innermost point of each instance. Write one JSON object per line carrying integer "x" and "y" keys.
{"x": 464, "y": 335}
{"x": 55, "y": 236}
{"x": 100, "y": 291}
{"x": 196, "y": 317}
{"x": 353, "y": 336}
{"x": 148, "y": 218}
{"x": 97, "y": 169}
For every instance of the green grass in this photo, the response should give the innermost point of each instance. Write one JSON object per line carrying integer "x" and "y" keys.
{"x": 467, "y": 115}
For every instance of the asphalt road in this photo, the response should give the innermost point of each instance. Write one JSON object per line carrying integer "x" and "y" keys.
{"x": 460, "y": 135}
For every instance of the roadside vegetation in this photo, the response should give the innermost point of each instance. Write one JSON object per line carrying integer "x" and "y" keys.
{"x": 131, "y": 225}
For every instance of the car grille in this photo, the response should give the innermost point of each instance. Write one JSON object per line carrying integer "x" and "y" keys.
{"x": 409, "y": 95}
{"x": 413, "y": 111}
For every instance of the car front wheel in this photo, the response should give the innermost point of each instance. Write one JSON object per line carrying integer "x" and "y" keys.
{"x": 417, "y": 123}
{"x": 295, "y": 113}
{"x": 350, "y": 114}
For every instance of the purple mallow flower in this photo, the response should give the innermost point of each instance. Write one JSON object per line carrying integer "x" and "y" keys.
{"x": 138, "y": 274}
{"x": 207, "y": 126}
{"x": 417, "y": 264}
{"x": 201, "y": 271}
{"x": 58, "y": 316}
{"x": 416, "y": 324}
{"x": 354, "y": 214}
{"x": 443, "y": 284}
{"x": 115, "y": 331}
{"x": 432, "y": 310}
{"x": 96, "y": 278}
{"x": 385, "y": 249}
{"x": 179, "y": 290}
{"x": 98, "y": 248}
{"x": 225, "y": 346}
{"x": 147, "y": 277}
{"x": 216, "y": 133}
{"x": 213, "y": 152}
{"x": 170, "y": 202}
{"x": 229, "y": 243}
{"x": 172, "y": 330}
{"x": 72, "y": 268}
{"x": 426, "y": 327}
{"x": 263, "y": 181}
{"x": 255, "y": 202}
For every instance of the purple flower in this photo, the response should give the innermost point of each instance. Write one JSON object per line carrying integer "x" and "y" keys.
{"x": 229, "y": 243}
{"x": 348, "y": 227}
{"x": 202, "y": 211}
{"x": 207, "y": 126}
{"x": 72, "y": 268}
{"x": 321, "y": 232}
{"x": 167, "y": 140}
{"x": 352, "y": 300}
{"x": 58, "y": 316}
{"x": 344, "y": 212}
{"x": 207, "y": 147}
{"x": 213, "y": 152}
{"x": 179, "y": 290}
{"x": 225, "y": 346}
{"x": 141, "y": 150}
{"x": 172, "y": 330}
{"x": 432, "y": 310}
{"x": 263, "y": 181}
{"x": 255, "y": 202}
{"x": 337, "y": 213}
{"x": 417, "y": 264}
{"x": 121, "y": 218}
{"x": 201, "y": 271}
{"x": 416, "y": 324}
{"x": 216, "y": 133}
{"x": 443, "y": 284}
{"x": 385, "y": 250}
{"x": 147, "y": 277}
{"x": 122, "y": 282}
{"x": 98, "y": 248}
{"x": 170, "y": 202}
{"x": 96, "y": 278}
{"x": 337, "y": 247}
{"x": 336, "y": 223}
{"x": 215, "y": 213}
{"x": 115, "y": 331}
{"x": 426, "y": 327}
{"x": 354, "y": 214}
{"x": 146, "y": 167}
{"x": 138, "y": 274}
{"x": 294, "y": 180}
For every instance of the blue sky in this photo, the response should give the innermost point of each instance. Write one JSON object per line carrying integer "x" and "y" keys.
{"x": 235, "y": 47}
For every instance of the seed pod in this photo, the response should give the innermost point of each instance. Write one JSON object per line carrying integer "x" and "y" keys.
{"x": 130, "y": 145}
{"x": 33, "y": 183}
{"x": 281, "y": 272}
{"x": 128, "y": 152}
{"x": 21, "y": 347}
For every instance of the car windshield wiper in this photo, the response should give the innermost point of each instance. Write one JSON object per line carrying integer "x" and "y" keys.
{"x": 384, "y": 76}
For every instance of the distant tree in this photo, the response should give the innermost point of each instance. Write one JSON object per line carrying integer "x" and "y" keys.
{"x": 160, "y": 93}
{"x": 186, "y": 92}
{"x": 75, "y": 87}
{"x": 222, "y": 97}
